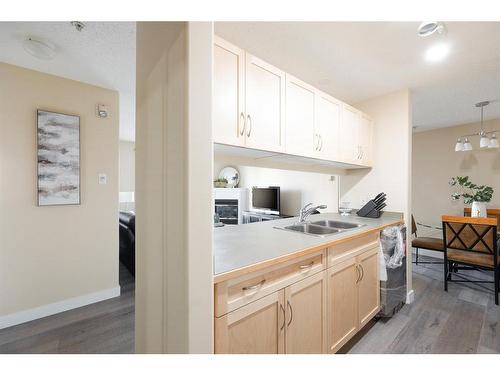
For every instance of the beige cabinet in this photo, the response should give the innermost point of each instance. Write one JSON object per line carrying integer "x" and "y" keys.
{"x": 291, "y": 320}
{"x": 368, "y": 286}
{"x": 353, "y": 296}
{"x": 259, "y": 106}
{"x": 349, "y": 145}
{"x": 326, "y": 126}
{"x": 365, "y": 134}
{"x": 265, "y": 105}
{"x": 300, "y": 138}
{"x": 256, "y": 328}
{"x": 229, "y": 90}
{"x": 306, "y": 316}
{"x": 342, "y": 303}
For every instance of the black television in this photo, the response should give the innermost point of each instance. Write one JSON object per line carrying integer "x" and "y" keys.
{"x": 266, "y": 199}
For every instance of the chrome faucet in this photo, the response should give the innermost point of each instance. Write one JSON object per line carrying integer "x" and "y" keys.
{"x": 305, "y": 211}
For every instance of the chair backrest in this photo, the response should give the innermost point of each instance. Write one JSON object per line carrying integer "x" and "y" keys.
{"x": 470, "y": 234}
{"x": 490, "y": 212}
{"x": 413, "y": 226}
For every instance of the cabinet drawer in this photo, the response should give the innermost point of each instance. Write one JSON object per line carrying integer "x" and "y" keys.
{"x": 232, "y": 294}
{"x": 353, "y": 247}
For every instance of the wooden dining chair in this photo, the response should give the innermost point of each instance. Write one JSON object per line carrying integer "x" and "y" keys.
{"x": 427, "y": 243}
{"x": 490, "y": 212}
{"x": 470, "y": 242}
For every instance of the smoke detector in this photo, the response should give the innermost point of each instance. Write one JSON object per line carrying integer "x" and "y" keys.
{"x": 79, "y": 26}
{"x": 430, "y": 27}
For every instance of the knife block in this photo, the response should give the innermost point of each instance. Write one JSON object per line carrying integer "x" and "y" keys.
{"x": 369, "y": 210}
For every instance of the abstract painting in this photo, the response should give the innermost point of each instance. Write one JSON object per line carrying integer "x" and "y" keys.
{"x": 58, "y": 148}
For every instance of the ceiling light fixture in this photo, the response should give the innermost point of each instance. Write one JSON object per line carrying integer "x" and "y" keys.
{"x": 430, "y": 27}
{"x": 437, "y": 52}
{"x": 485, "y": 141}
{"x": 39, "y": 49}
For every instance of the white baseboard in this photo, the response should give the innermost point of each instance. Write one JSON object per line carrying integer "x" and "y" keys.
{"x": 410, "y": 297}
{"x": 57, "y": 307}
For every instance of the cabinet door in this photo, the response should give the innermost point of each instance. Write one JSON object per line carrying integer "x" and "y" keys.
{"x": 342, "y": 310}
{"x": 368, "y": 286}
{"x": 306, "y": 316}
{"x": 256, "y": 328}
{"x": 365, "y": 135}
{"x": 228, "y": 102}
{"x": 265, "y": 105}
{"x": 327, "y": 122}
{"x": 299, "y": 135}
{"x": 349, "y": 143}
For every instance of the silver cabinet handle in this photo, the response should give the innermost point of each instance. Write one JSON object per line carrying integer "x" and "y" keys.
{"x": 242, "y": 116}
{"x": 253, "y": 287}
{"x": 306, "y": 266}
{"x": 291, "y": 313}
{"x": 321, "y": 142}
{"x": 249, "y": 121}
{"x": 284, "y": 318}
{"x": 316, "y": 141}
{"x": 362, "y": 272}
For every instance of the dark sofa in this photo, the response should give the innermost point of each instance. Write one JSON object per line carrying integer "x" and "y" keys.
{"x": 127, "y": 240}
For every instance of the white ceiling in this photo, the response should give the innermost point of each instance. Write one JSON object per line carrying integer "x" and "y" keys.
{"x": 102, "y": 54}
{"x": 355, "y": 61}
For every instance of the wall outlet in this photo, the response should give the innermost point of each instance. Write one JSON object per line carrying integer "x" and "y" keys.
{"x": 103, "y": 179}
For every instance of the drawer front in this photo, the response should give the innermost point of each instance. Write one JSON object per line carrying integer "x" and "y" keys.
{"x": 354, "y": 247}
{"x": 232, "y": 294}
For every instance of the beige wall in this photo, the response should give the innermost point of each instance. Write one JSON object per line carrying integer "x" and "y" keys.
{"x": 435, "y": 162}
{"x": 51, "y": 254}
{"x": 297, "y": 187}
{"x": 391, "y": 158}
{"x": 127, "y": 166}
{"x": 174, "y": 292}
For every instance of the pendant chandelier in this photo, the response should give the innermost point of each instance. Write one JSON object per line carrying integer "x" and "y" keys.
{"x": 485, "y": 140}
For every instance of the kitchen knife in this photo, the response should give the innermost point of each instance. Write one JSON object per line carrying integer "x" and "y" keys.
{"x": 380, "y": 206}
{"x": 380, "y": 199}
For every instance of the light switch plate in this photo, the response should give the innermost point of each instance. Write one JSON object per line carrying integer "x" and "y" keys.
{"x": 103, "y": 179}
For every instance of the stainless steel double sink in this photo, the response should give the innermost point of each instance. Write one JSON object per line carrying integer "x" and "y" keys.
{"x": 322, "y": 228}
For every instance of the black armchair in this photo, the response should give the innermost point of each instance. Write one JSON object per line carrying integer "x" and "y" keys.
{"x": 127, "y": 240}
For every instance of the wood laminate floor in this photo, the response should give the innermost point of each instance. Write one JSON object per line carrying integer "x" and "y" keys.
{"x": 464, "y": 320}
{"x": 103, "y": 327}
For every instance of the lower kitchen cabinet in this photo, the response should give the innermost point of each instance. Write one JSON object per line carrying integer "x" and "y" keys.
{"x": 342, "y": 303}
{"x": 368, "y": 286}
{"x": 306, "y": 316}
{"x": 317, "y": 313}
{"x": 256, "y": 328}
{"x": 353, "y": 297}
{"x": 292, "y": 320}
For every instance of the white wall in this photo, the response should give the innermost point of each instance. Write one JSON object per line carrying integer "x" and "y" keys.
{"x": 174, "y": 211}
{"x": 127, "y": 174}
{"x": 58, "y": 257}
{"x": 297, "y": 187}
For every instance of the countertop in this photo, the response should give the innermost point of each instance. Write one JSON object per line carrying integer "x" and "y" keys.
{"x": 238, "y": 247}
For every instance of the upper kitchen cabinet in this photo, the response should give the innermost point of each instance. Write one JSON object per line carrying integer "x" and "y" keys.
{"x": 229, "y": 93}
{"x": 300, "y": 137}
{"x": 326, "y": 126}
{"x": 349, "y": 131}
{"x": 265, "y": 105}
{"x": 365, "y": 139}
{"x": 260, "y": 107}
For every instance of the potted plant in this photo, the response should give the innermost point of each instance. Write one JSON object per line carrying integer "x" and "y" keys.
{"x": 220, "y": 183}
{"x": 473, "y": 194}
